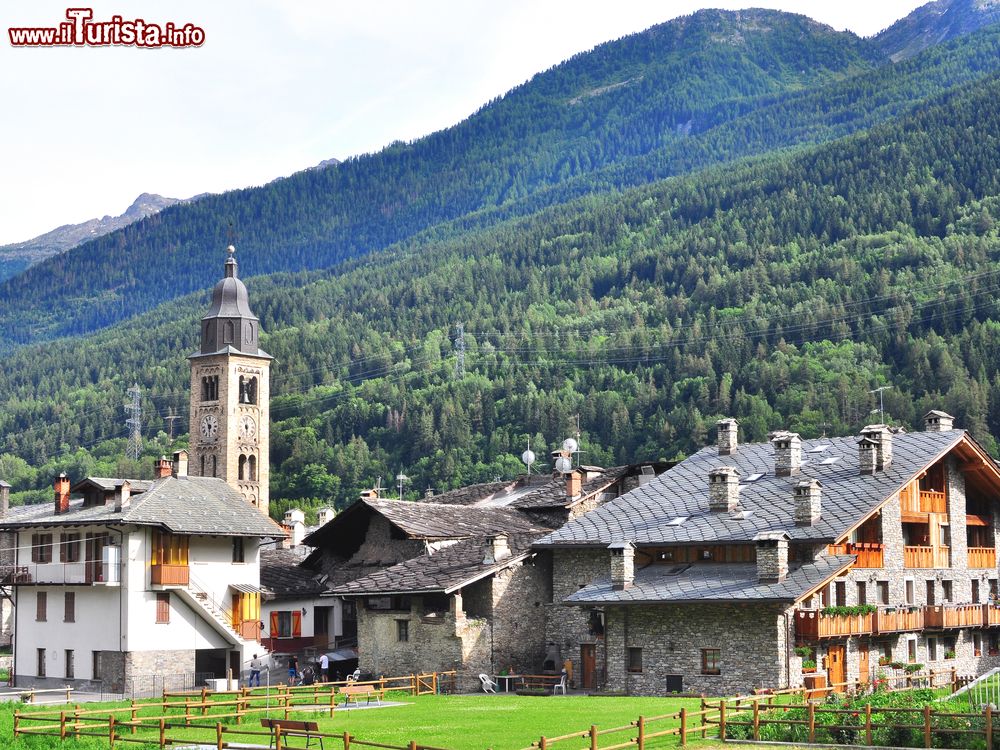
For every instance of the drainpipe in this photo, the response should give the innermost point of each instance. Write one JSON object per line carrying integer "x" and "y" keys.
{"x": 789, "y": 637}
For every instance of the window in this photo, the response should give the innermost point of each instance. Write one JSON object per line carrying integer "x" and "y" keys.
{"x": 975, "y": 591}
{"x": 215, "y": 466}
{"x": 41, "y": 548}
{"x": 248, "y": 390}
{"x": 841, "y": 593}
{"x": 238, "y": 551}
{"x": 949, "y": 647}
{"x": 228, "y": 332}
{"x": 883, "y": 591}
{"x": 210, "y": 388}
{"x": 930, "y": 591}
{"x": 69, "y": 550}
{"x": 169, "y": 549}
{"x": 635, "y": 660}
{"x": 977, "y": 644}
{"x": 70, "y": 607}
{"x": 993, "y": 589}
{"x": 95, "y": 666}
{"x": 908, "y": 587}
{"x": 911, "y": 650}
{"x": 862, "y": 592}
{"x": 41, "y": 605}
{"x": 241, "y": 472}
{"x": 252, "y": 468}
{"x": 932, "y": 649}
{"x": 711, "y": 661}
{"x": 40, "y": 667}
{"x": 286, "y": 624}
{"x": 69, "y": 664}
{"x": 947, "y": 592}
{"x": 163, "y": 608}
{"x": 402, "y": 630}
{"x": 886, "y": 650}
{"x": 994, "y": 643}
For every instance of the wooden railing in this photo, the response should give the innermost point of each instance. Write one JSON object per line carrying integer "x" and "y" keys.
{"x": 869, "y": 553}
{"x": 811, "y": 624}
{"x": 896, "y": 620}
{"x": 926, "y": 557}
{"x": 933, "y": 502}
{"x": 170, "y": 575}
{"x": 953, "y": 615}
{"x": 982, "y": 557}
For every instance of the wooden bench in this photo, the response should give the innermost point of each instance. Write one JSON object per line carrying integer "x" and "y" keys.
{"x": 353, "y": 692}
{"x": 307, "y": 729}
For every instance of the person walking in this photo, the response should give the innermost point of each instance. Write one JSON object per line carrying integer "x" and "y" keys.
{"x": 293, "y": 669}
{"x": 324, "y": 668}
{"x": 255, "y": 671}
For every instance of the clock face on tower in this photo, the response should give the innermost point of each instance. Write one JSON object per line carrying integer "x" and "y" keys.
{"x": 210, "y": 427}
{"x": 247, "y": 427}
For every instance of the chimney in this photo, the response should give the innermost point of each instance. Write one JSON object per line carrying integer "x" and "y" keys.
{"x": 180, "y": 467}
{"x": 574, "y": 483}
{"x": 497, "y": 550}
{"x": 808, "y": 505}
{"x": 4, "y": 498}
{"x": 123, "y": 495}
{"x": 369, "y": 494}
{"x": 164, "y": 467}
{"x": 787, "y": 453}
{"x": 866, "y": 455}
{"x": 938, "y": 421}
{"x": 772, "y": 556}
{"x": 622, "y": 565}
{"x": 61, "y": 493}
{"x": 728, "y": 429}
{"x": 723, "y": 489}
{"x": 881, "y": 435}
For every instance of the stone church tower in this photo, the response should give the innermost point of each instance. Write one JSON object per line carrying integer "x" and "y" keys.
{"x": 230, "y": 393}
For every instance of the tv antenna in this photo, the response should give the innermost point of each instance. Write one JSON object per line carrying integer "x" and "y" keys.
{"x": 881, "y": 402}
{"x": 401, "y": 478}
{"x": 528, "y": 457}
{"x": 133, "y": 408}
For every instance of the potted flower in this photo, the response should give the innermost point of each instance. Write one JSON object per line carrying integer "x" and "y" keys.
{"x": 808, "y": 666}
{"x": 949, "y": 654}
{"x": 913, "y": 668}
{"x": 883, "y": 661}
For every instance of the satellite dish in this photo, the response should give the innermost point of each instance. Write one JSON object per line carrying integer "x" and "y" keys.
{"x": 569, "y": 444}
{"x": 528, "y": 457}
{"x": 564, "y": 465}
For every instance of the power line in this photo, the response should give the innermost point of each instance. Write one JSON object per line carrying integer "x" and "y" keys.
{"x": 134, "y": 423}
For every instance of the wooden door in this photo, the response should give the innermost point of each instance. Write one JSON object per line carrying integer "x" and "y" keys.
{"x": 835, "y": 667}
{"x": 863, "y": 667}
{"x": 588, "y": 662}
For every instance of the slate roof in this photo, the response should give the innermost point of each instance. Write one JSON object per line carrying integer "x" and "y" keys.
{"x": 433, "y": 521}
{"x": 109, "y": 484}
{"x": 553, "y": 494}
{"x": 708, "y": 582}
{"x": 469, "y": 494}
{"x": 282, "y": 575}
{"x": 185, "y": 505}
{"x": 643, "y": 515}
{"x": 445, "y": 571}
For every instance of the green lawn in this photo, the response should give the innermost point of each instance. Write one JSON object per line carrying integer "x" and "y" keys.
{"x": 459, "y": 722}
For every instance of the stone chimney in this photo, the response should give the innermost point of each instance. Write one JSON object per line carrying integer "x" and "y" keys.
{"x": 808, "y": 502}
{"x": 498, "y": 549}
{"x": 881, "y": 435}
{"x": 123, "y": 495}
{"x": 4, "y": 498}
{"x": 787, "y": 453}
{"x": 574, "y": 483}
{"x": 938, "y": 421}
{"x": 61, "y": 487}
{"x": 772, "y": 556}
{"x": 866, "y": 455}
{"x": 622, "y": 565}
{"x": 727, "y": 439}
{"x": 723, "y": 489}
{"x": 180, "y": 467}
{"x": 164, "y": 467}
{"x": 369, "y": 494}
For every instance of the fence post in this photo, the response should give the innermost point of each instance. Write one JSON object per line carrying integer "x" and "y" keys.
{"x": 541, "y": 742}
{"x": 989, "y": 726}
{"x": 927, "y": 726}
{"x": 76, "y": 721}
{"x": 641, "y": 739}
{"x": 347, "y": 741}
{"x": 413, "y": 685}
{"x": 812, "y": 723}
{"x": 68, "y": 691}
{"x": 684, "y": 725}
{"x": 434, "y": 682}
{"x": 288, "y": 706}
{"x": 163, "y": 733}
{"x": 593, "y": 737}
{"x": 722, "y": 720}
{"x": 111, "y": 732}
{"x": 954, "y": 679}
{"x": 17, "y": 720}
{"x": 868, "y": 723}
{"x": 333, "y": 702}
{"x": 413, "y": 745}
{"x": 277, "y": 737}
{"x": 187, "y": 711}
{"x": 218, "y": 735}
{"x": 133, "y": 714}
{"x": 62, "y": 725}
{"x": 204, "y": 701}
{"x": 756, "y": 720}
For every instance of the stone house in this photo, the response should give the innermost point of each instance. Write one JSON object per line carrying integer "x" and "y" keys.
{"x": 862, "y": 549}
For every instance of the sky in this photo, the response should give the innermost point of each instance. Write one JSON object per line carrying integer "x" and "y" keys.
{"x": 280, "y": 85}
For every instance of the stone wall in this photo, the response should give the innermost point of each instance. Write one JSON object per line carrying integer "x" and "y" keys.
{"x": 379, "y": 548}
{"x": 520, "y": 596}
{"x": 568, "y": 627}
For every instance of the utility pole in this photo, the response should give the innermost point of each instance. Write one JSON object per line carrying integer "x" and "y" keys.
{"x": 460, "y": 351}
{"x": 134, "y": 423}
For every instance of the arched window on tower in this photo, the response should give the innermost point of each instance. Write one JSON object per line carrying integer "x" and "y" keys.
{"x": 252, "y": 461}
{"x": 248, "y": 390}
{"x": 202, "y": 473}
{"x": 215, "y": 466}
{"x": 210, "y": 388}
{"x": 241, "y": 474}
{"x": 228, "y": 332}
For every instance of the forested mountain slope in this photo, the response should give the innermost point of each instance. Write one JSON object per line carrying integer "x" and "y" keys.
{"x": 779, "y": 290}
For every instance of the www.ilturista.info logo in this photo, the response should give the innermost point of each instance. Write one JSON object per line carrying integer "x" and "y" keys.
{"x": 81, "y": 31}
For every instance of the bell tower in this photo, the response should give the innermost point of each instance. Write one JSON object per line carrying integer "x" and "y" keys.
{"x": 230, "y": 391}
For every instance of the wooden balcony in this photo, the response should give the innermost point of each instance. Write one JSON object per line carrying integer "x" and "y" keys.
{"x": 982, "y": 557}
{"x": 249, "y": 630}
{"x": 926, "y": 557}
{"x": 869, "y": 553}
{"x": 953, "y": 615}
{"x": 899, "y": 619}
{"x": 991, "y": 615}
{"x": 169, "y": 575}
{"x": 810, "y": 625}
{"x": 933, "y": 502}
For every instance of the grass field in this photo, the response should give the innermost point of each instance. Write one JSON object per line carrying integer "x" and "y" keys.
{"x": 459, "y": 722}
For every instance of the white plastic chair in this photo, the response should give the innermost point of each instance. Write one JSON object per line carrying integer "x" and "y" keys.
{"x": 488, "y": 685}
{"x": 561, "y": 685}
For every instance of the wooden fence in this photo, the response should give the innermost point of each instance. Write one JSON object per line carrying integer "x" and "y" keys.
{"x": 205, "y": 710}
{"x": 689, "y": 724}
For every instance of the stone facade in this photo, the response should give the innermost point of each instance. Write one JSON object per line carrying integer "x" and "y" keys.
{"x": 568, "y": 628}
